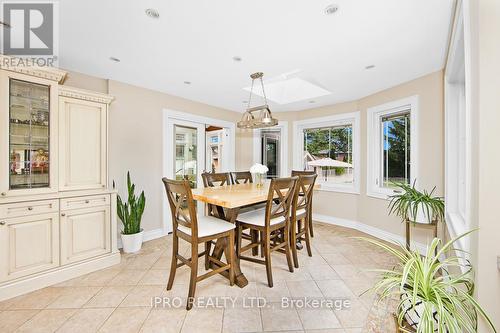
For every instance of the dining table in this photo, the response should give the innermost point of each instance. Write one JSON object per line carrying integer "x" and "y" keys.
{"x": 228, "y": 200}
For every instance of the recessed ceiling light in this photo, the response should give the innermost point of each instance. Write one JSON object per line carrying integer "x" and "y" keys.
{"x": 370, "y": 67}
{"x": 331, "y": 9}
{"x": 153, "y": 13}
{"x": 244, "y": 102}
{"x": 187, "y": 82}
{"x": 312, "y": 102}
{"x": 114, "y": 59}
{"x": 236, "y": 58}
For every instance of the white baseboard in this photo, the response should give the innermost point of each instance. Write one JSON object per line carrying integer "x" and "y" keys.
{"x": 148, "y": 235}
{"x": 370, "y": 230}
{"x": 57, "y": 275}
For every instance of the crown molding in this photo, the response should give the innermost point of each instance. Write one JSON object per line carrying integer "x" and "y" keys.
{"x": 85, "y": 95}
{"x": 29, "y": 67}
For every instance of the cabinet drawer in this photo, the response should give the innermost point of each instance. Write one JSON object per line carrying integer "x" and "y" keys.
{"x": 85, "y": 202}
{"x": 29, "y": 208}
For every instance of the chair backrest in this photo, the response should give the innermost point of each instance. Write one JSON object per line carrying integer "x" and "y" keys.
{"x": 216, "y": 179}
{"x": 303, "y": 173}
{"x": 241, "y": 177}
{"x": 303, "y": 193}
{"x": 279, "y": 198}
{"x": 182, "y": 205}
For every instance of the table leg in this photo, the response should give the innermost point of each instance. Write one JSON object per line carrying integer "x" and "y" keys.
{"x": 240, "y": 279}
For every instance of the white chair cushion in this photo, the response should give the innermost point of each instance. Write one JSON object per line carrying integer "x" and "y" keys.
{"x": 208, "y": 225}
{"x": 300, "y": 212}
{"x": 258, "y": 217}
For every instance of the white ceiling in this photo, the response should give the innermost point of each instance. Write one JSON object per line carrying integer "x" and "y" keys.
{"x": 196, "y": 40}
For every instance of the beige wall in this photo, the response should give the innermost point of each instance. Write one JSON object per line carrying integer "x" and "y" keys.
{"x": 485, "y": 26}
{"x": 373, "y": 211}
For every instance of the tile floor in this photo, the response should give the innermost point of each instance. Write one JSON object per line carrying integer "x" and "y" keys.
{"x": 118, "y": 299}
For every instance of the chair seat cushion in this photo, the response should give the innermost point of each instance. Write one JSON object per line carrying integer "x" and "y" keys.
{"x": 300, "y": 212}
{"x": 208, "y": 225}
{"x": 258, "y": 217}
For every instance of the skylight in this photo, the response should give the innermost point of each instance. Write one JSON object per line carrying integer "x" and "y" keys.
{"x": 290, "y": 90}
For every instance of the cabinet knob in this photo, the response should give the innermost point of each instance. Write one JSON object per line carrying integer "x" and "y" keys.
{"x": 2, "y": 222}
{"x": 86, "y": 201}
{"x": 30, "y": 208}
{"x": 63, "y": 214}
{"x": 3, "y": 194}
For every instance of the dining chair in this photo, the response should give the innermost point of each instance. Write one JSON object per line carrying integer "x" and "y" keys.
{"x": 213, "y": 180}
{"x": 195, "y": 229}
{"x": 241, "y": 177}
{"x": 300, "y": 215}
{"x": 306, "y": 173}
{"x": 273, "y": 223}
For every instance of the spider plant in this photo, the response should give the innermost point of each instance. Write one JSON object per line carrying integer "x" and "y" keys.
{"x": 444, "y": 299}
{"x": 130, "y": 212}
{"x": 411, "y": 204}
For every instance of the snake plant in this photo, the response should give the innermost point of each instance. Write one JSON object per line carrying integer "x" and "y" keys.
{"x": 130, "y": 212}
{"x": 410, "y": 201}
{"x": 440, "y": 292}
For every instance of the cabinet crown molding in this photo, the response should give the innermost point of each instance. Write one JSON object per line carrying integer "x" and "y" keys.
{"x": 85, "y": 95}
{"x": 29, "y": 67}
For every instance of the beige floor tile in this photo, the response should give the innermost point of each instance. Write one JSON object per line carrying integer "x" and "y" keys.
{"x": 239, "y": 319}
{"x": 73, "y": 297}
{"x": 318, "y": 318}
{"x": 347, "y": 271}
{"x": 304, "y": 289}
{"x": 323, "y": 272}
{"x": 142, "y": 296}
{"x": 164, "y": 321}
{"x": 336, "y": 259}
{"x": 155, "y": 277}
{"x": 11, "y": 320}
{"x": 47, "y": 320}
{"x": 99, "y": 278}
{"x": 354, "y": 316}
{"x": 127, "y": 278}
{"x": 203, "y": 320}
{"x": 109, "y": 297}
{"x": 162, "y": 262}
{"x": 35, "y": 300}
{"x": 327, "y": 330}
{"x": 335, "y": 289}
{"x": 86, "y": 320}
{"x": 274, "y": 294}
{"x": 125, "y": 320}
{"x": 276, "y": 318}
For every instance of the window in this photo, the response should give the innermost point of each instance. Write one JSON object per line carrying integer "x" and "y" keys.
{"x": 458, "y": 158}
{"x": 330, "y": 146}
{"x": 392, "y": 139}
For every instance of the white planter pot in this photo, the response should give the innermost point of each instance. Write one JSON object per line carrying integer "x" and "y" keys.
{"x": 132, "y": 243}
{"x": 422, "y": 216}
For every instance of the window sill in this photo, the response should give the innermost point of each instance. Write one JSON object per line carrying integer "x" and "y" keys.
{"x": 382, "y": 195}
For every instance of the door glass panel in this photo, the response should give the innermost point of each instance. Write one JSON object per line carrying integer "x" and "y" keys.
{"x": 270, "y": 141}
{"x": 29, "y": 135}
{"x": 186, "y": 166}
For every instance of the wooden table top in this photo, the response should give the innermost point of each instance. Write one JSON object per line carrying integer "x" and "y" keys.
{"x": 232, "y": 196}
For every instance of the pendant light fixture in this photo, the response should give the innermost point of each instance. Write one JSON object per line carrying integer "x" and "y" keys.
{"x": 257, "y": 116}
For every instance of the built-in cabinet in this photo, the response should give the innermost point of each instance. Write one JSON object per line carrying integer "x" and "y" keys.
{"x": 57, "y": 214}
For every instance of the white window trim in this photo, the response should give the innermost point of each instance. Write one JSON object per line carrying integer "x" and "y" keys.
{"x": 257, "y": 149}
{"x": 374, "y": 147}
{"x": 457, "y": 222}
{"x": 330, "y": 121}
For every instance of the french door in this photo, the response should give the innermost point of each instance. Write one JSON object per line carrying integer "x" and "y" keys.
{"x": 270, "y": 152}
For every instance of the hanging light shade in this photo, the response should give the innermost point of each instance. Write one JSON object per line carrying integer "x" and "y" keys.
{"x": 258, "y": 116}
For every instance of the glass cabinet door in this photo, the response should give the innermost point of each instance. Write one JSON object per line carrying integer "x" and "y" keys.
{"x": 29, "y": 135}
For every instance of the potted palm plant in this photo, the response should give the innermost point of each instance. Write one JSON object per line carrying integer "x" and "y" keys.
{"x": 415, "y": 206}
{"x": 130, "y": 213}
{"x": 434, "y": 295}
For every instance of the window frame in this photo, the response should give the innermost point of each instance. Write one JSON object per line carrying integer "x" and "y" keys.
{"x": 374, "y": 143}
{"x": 257, "y": 149}
{"x": 341, "y": 119}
